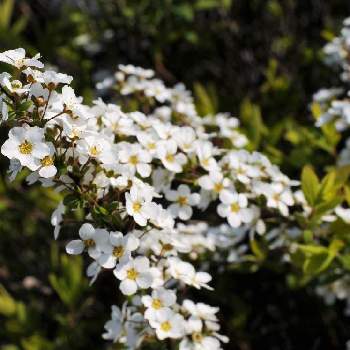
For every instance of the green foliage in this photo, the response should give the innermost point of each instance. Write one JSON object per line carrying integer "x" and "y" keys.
{"x": 259, "y": 60}
{"x": 69, "y": 281}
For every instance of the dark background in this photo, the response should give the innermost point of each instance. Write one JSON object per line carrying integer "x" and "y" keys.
{"x": 261, "y": 61}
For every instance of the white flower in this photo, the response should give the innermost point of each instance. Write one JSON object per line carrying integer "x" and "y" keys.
{"x": 18, "y": 59}
{"x": 93, "y": 240}
{"x": 200, "y": 341}
{"x": 3, "y": 110}
{"x": 186, "y": 273}
{"x": 167, "y": 153}
{"x": 168, "y": 324}
{"x": 134, "y": 274}
{"x": 205, "y": 152}
{"x": 120, "y": 248}
{"x": 137, "y": 202}
{"x": 14, "y": 168}
{"x": 278, "y": 196}
{"x": 95, "y": 147}
{"x": 234, "y": 208}
{"x": 93, "y": 271}
{"x": 184, "y": 200}
{"x": 185, "y": 138}
{"x": 200, "y": 310}
{"x": 114, "y": 119}
{"x": 13, "y": 86}
{"x": 47, "y": 168}
{"x": 27, "y": 145}
{"x": 161, "y": 298}
{"x": 215, "y": 182}
{"x": 159, "y": 216}
{"x": 343, "y": 213}
{"x": 56, "y": 218}
{"x": 135, "y": 159}
{"x": 51, "y": 78}
{"x": 114, "y": 327}
{"x": 148, "y": 141}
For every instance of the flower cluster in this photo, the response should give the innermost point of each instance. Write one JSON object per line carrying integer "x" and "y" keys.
{"x": 332, "y": 105}
{"x": 337, "y": 51}
{"x": 143, "y": 178}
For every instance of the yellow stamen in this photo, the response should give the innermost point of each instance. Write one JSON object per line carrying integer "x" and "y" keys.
{"x": 170, "y": 158}
{"x": 151, "y": 145}
{"x": 47, "y": 161}
{"x": 235, "y": 207}
{"x": 205, "y": 162}
{"x": 25, "y": 147}
{"x": 136, "y": 207}
{"x": 89, "y": 243}
{"x": 134, "y": 160}
{"x": 132, "y": 274}
{"x": 182, "y": 200}
{"x": 118, "y": 252}
{"x": 157, "y": 304}
{"x": 218, "y": 187}
{"x": 165, "y": 326}
{"x": 167, "y": 247}
{"x": 16, "y": 84}
{"x": 197, "y": 337}
{"x": 94, "y": 151}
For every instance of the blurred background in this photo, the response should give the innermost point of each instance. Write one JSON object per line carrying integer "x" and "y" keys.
{"x": 260, "y": 60}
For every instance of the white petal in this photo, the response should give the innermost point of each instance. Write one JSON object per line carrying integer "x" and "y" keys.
{"x": 144, "y": 280}
{"x": 128, "y": 287}
{"x": 86, "y": 231}
{"x": 75, "y": 247}
{"x": 107, "y": 260}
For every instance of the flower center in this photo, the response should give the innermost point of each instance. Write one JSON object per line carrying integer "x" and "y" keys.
{"x": 151, "y": 145}
{"x": 218, "y": 187}
{"x": 47, "y": 161}
{"x": 89, "y": 243}
{"x": 132, "y": 274}
{"x": 94, "y": 151}
{"x": 167, "y": 247}
{"x": 115, "y": 126}
{"x": 165, "y": 326}
{"x": 157, "y": 304}
{"x": 25, "y": 147}
{"x": 133, "y": 160}
{"x": 205, "y": 161}
{"x": 136, "y": 207}
{"x": 277, "y": 197}
{"x": 235, "y": 207}
{"x": 182, "y": 200}
{"x": 16, "y": 84}
{"x": 197, "y": 337}
{"x": 170, "y": 158}
{"x": 19, "y": 63}
{"x": 118, "y": 251}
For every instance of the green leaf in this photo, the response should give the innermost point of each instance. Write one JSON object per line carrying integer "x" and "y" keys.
{"x": 211, "y": 4}
{"x": 185, "y": 11}
{"x": 259, "y": 248}
{"x": 250, "y": 114}
{"x": 206, "y": 100}
{"x": 316, "y": 263}
{"x": 327, "y": 188}
{"x": 310, "y": 185}
{"x": 326, "y": 206}
{"x": 6, "y": 11}
{"x": 345, "y": 260}
{"x": 8, "y": 305}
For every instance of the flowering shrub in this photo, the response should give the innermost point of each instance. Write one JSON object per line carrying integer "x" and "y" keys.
{"x": 159, "y": 191}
